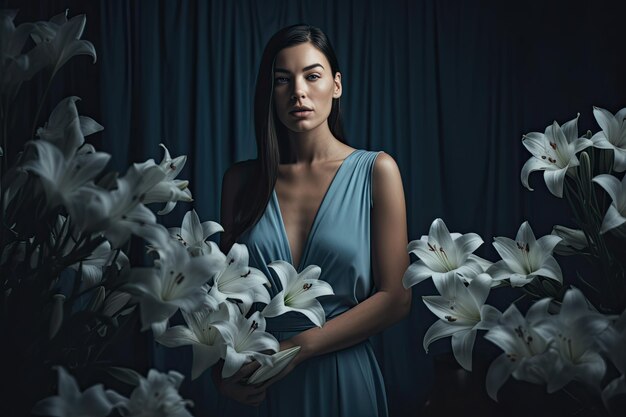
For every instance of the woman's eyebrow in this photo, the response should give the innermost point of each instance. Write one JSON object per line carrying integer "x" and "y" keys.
{"x": 308, "y": 67}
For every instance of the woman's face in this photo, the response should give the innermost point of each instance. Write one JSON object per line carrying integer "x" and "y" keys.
{"x": 304, "y": 87}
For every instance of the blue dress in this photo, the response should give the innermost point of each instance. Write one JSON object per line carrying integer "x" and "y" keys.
{"x": 345, "y": 383}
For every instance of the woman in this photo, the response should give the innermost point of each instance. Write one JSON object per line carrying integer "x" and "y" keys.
{"x": 309, "y": 198}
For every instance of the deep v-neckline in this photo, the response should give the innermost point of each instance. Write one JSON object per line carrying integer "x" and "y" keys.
{"x": 312, "y": 228}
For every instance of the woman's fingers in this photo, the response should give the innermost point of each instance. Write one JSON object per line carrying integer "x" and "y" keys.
{"x": 249, "y": 368}
{"x": 244, "y": 372}
{"x": 235, "y": 388}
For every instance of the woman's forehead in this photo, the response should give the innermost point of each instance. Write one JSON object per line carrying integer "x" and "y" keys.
{"x": 300, "y": 58}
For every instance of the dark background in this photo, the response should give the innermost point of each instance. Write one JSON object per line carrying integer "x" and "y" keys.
{"x": 445, "y": 87}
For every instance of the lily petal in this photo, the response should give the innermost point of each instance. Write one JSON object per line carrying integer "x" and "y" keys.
{"x": 499, "y": 371}
{"x": 612, "y": 220}
{"x": 611, "y": 185}
{"x": 606, "y": 121}
{"x": 462, "y": 345}
{"x": 439, "y": 330}
{"x": 614, "y": 388}
{"x": 554, "y": 181}
{"x": 178, "y": 336}
{"x": 533, "y": 164}
{"x": 479, "y": 288}
{"x": 416, "y": 273}
{"x": 204, "y": 357}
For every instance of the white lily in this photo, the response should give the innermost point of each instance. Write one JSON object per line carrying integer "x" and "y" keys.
{"x": 169, "y": 190}
{"x": 13, "y": 64}
{"x": 554, "y": 152}
{"x": 612, "y": 136}
{"x": 573, "y": 241}
{"x": 461, "y": 311}
{"x": 525, "y": 257}
{"x": 58, "y": 40}
{"x": 440, "y": 256}
{"x": 70, "y": 402}
{"x": 245, "y": 338}
{"x": 61, "y": 178}
{"x": 178, "y": 282}
{"x": 527, "y": 355}
{"x": 236, "y": 280}
{"x": 119, "y": 212}
{"x": 615, "y": 217}
{"x": 193, "y": 234}
{"x": 299, "y": 292}
{"x": 574, "y": 331}
{"x": 155, "y": 396}
{"x": 206, "y": 341}
{"x": 92, "y": 265}
{"x": 13, "y": 39}
{"x": 66, "y": 128}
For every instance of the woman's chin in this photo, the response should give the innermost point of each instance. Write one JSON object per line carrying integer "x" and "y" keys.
{"x": 301, "y": 126}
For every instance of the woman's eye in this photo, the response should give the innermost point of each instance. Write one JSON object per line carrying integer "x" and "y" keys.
{"x": 281, "y": 80}
{"x": 312, "y": 77}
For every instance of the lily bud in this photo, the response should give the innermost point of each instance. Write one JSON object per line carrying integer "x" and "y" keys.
{"x": 549, "y": 288}
{"x": 56, "y": 318}
{"x": 573, "y": 241}
{"x": 585, "y": 166}
{"x": 115, "y": 302}
{"x": 97, "y": 299}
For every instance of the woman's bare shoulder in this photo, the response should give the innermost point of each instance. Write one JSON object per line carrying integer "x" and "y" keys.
{"x": 386, "y": 179}
{"x": 385, "y": 167}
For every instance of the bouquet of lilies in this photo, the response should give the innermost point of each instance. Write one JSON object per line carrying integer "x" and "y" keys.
{"x": 68, "y": 290}
{"x": 568, "y": 334}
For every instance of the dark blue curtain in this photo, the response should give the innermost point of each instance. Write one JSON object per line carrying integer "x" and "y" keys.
{"x": 445, "y": 87}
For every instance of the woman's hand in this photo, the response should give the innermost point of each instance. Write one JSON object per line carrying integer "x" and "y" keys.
{"x": 234, "y": 387}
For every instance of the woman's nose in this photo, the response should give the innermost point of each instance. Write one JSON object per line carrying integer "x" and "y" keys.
{"x": 298, "y": 90}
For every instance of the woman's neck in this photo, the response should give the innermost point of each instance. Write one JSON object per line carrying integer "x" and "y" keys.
{"x": 312, "y": 146}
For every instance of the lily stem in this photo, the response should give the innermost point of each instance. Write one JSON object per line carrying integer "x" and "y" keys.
{"x": 40, "y": 107}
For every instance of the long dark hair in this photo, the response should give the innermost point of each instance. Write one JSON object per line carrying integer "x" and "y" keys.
{"x": 271, "y": 134}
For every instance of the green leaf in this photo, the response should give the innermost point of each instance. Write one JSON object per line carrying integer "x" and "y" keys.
{"x": 584, "y": 174}
{"x": 606, "y": 161}
{"x": 126, "y": 375}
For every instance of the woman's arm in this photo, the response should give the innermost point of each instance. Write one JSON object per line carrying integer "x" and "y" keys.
{"x": 390, "y": 260}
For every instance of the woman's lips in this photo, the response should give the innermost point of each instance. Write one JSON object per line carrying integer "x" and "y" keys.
{"x": 301, "y": 113}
